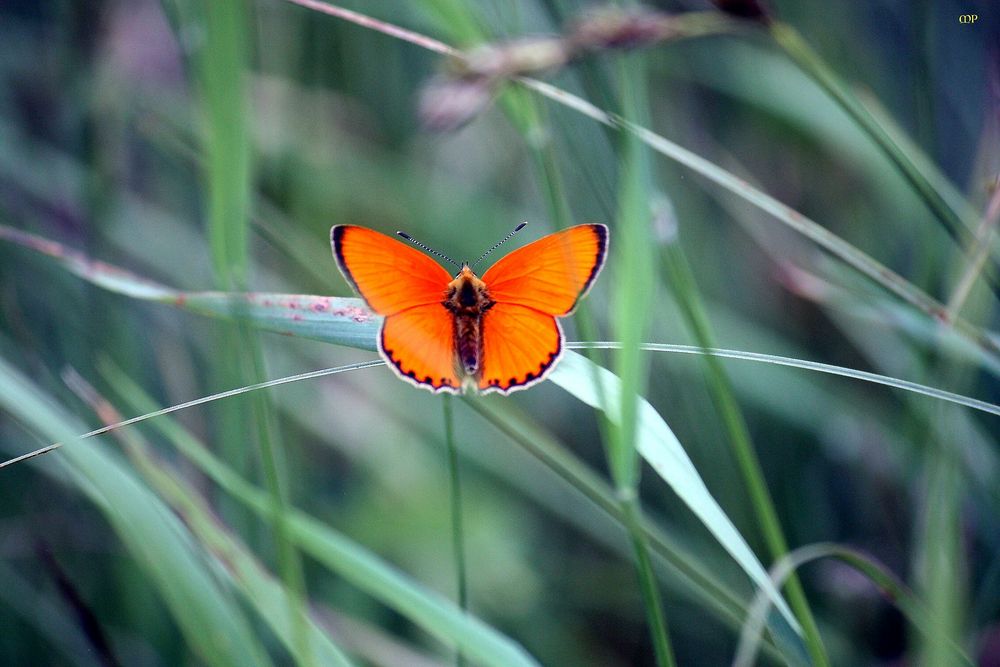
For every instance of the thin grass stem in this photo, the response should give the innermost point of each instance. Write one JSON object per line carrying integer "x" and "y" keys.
{"x": 652, "y": 601}
{"x": 457, "y": 530}
{"x": 776, "y": 360}
{"x": 199, "y": 401}
{"x": 682, "y": 281}
{"x": 805, "y": 364}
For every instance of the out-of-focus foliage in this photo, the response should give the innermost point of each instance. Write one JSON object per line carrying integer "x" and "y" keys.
{"x": 115, "y": 141}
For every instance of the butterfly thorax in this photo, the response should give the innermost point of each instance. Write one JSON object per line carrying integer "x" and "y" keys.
{"x": 468, "y": 298}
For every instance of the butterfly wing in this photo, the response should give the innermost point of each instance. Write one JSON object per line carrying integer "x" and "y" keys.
{"x": 388, "y": 274}
{"x": 520, "y": 347}
{"x": 419, "y": 344}
{"x": 417, "y": 337}
{"x": 552, "y": 273}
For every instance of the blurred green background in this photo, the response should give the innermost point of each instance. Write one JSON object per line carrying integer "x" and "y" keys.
{"x": 213, "y": 145}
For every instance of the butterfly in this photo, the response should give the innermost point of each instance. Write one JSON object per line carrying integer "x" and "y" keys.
{"x": 445, "y": 333}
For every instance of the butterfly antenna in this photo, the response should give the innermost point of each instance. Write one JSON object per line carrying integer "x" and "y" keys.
{"x": 428, "y": 249}
{"x": 502, "y": 241}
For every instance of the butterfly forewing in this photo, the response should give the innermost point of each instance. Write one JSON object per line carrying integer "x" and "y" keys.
{"x": 551, "y": 274}
{"x": 388, "y": 274}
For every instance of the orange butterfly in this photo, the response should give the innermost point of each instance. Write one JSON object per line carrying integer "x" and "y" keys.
{"x": 495, "y": 333}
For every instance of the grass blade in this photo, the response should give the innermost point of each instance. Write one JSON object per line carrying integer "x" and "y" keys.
{"x": 244, "y": 572}
{"x": 347, "y": 559}
{"x": 457, "y": 532}
{"x": 665, "y": 454}
{"x": 157, "y": 541}
{"x": 222, "y": 63}
{"x": 894, "y": 591}
{"x": 345, "y": 321}
{"x": 791, "y": 41}
{"x": 634, "y": 288}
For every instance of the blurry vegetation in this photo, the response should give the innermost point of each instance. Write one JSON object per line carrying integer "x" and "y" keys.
{"x": 812, "y": 180}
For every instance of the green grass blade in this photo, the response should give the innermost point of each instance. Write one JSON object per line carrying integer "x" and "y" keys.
{"x": 222, "y": 67}
{"x": 634, "y": 289}
{"x": 455, "y": 493}
{"x": 213, "y": 625}
{"x": 791, "y": 41}
{"x": 909, "y": 604}
{"x": 665, "y": 454}
{"x": 701, "y": 583}
{"x": 437, "y": 615}
{"x": 231, "y": 556}
{"x": 682, "y": 282}
{"x": 221, "y": 64}
{"x": 345, "y": 321}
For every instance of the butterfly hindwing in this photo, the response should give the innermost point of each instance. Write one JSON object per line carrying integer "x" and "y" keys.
{"x": 388, "y": 274}
{"x": 552, "y": 273}
{"x": 419, "y": 344}
{"x": 520, "y": 346}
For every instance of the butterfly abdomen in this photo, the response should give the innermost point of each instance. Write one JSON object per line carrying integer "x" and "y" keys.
{"x": 468, "y": 343}
{"x": 468, "y": 299}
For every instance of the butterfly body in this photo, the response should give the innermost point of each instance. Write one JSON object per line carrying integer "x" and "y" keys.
{"x": 468, "y": 300}
{"x": 454, "y": 333}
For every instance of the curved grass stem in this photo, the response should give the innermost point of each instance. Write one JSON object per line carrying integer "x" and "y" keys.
{"x": 895, "y": 591}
